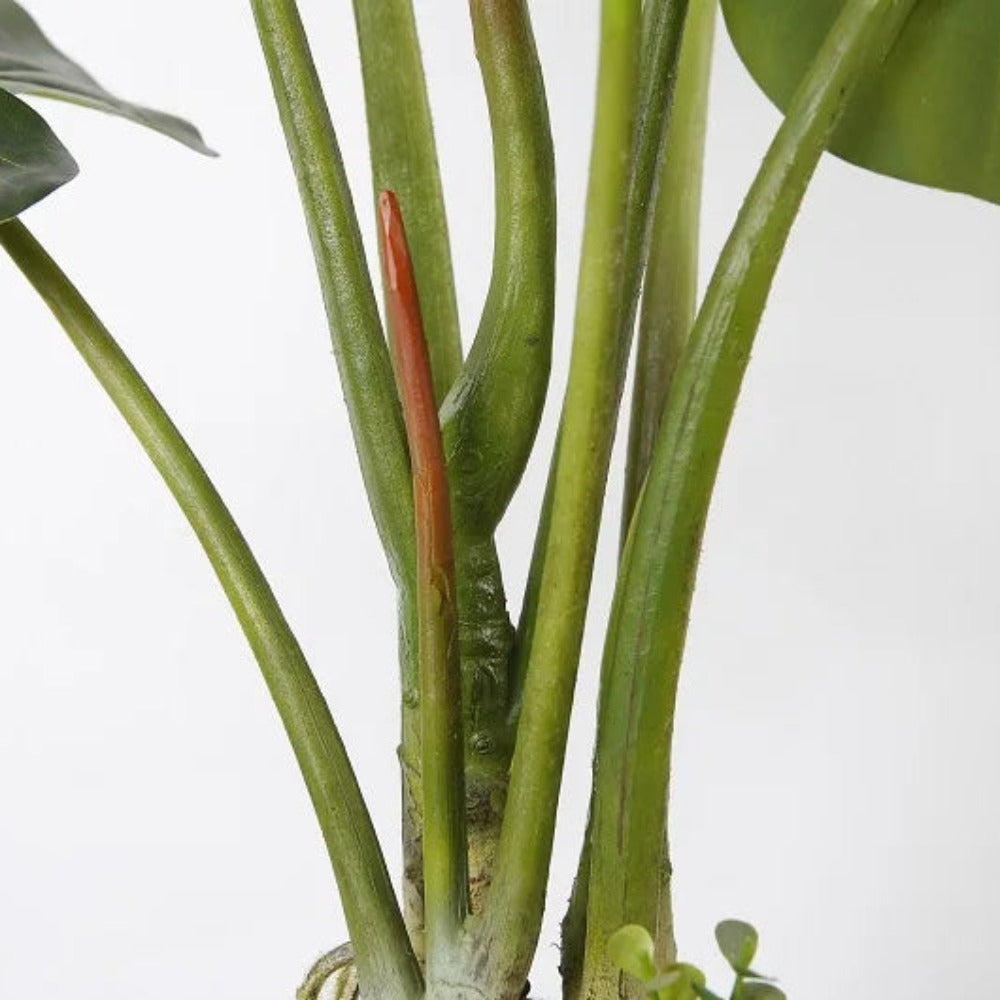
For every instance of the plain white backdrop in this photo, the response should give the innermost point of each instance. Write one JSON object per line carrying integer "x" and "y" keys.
{"x": 837, "y": 762}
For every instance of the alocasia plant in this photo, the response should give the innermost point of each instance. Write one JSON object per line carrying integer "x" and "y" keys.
{"x": 905, "y": 87}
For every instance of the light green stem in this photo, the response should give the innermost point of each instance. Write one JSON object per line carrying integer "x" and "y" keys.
{"x": 669, "y": 302}
{"x": 669, "y": 297}
{"x": 649, "y": 618}
{"x": 635, "y": 83}
{"x": 670, "y": 288}
{"x": 404, "y": 161}
{"x": 506, "y": 939}
{"x": 662, "y": 27}
{"x": 491, "y": 415}
{"x": 358, "y": 343}
{"x": 384, "y": 957}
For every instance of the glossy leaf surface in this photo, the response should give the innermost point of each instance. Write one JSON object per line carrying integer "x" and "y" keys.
{"x": 33, "y": 162}
{"x": 31, "y": 64}
{"x": 929, "y": 114}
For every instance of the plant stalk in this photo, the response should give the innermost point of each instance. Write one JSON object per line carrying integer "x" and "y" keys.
{"x": 384, "y": 957}
{"x": 507, "y": 937}
{"x": 356, "y": 331}
{"x": 649, "y": 617}
{"x": 491, "y": 416}
{"x": 635, "y": 83}
{"x": 670, "y": 287}
{"x": 404, "y": 161}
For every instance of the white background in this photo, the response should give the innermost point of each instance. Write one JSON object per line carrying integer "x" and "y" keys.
{"x": 837, "y": 754}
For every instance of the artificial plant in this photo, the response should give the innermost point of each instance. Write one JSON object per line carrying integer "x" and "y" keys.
{"x": 900, "y": 86}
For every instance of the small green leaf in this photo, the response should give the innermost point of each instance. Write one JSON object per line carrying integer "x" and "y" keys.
{"x": 631, "y": 949}
{"x": 677, "y": 982}
{"x": 33, "y": 162}
{"x": 31, "y": 64}
{"x": 738, "y": 943}
{"x": 931, "y": 114}
{"x": 758, "y": 990}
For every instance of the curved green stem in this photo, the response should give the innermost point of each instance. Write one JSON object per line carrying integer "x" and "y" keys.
{"x": 491, "y": 415}
{"x": 669, "y": 301}
{"x": 508, "y": 935}
{"x": 385, "y": 959}
{"x": 404, "y": 161}
{"x": 358, "y": 343}
{"x": 668, "y": 305}
{"x": 649, "y": 618}
{"x": 635, "y": 84}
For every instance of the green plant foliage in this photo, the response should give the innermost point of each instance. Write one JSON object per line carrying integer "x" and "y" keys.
{"x": 738, "y": 943}
{"x": 33, "y": 162}
{"x": 678, "y": 982}
{"x": 31, "y": 64}
{"x": 759, "y": 990}
{"x": 930, "y": 114}
{"x": 631, "y": 949}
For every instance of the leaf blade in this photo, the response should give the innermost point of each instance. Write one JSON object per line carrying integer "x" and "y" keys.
{"x": 33, "y": 162}
{"x": 930, "y": 114}
{"x": 31, "y": 64}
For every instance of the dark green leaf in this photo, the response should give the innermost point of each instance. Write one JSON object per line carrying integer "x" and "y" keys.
{"x": 930, "y": 114}
{"x": 30, "y": 64}
{"x": 737, "y": 942}
{"x": 631, "y": 949}
{"x": 33, "y": 162}
{"x": 756, "y": 990}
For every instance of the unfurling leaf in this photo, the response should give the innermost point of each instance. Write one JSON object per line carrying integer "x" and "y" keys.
{"x": 33, "y": 162}
{"x": 31, "y": 64}
{"x": 631, "y": 949}
{"x": 738, "y": 943}
{"x": 930, "y": 114}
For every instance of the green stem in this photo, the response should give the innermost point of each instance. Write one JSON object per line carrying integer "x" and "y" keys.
{"x": 385, "y": 959}
{"x": 668, "y": 306}
{"x": 670, "y": 288}
{"x": 635, "y": 82}
{"x": 508, "y": 935}
{"x": 649, "y": 618}
{"x": 491, "y": 415}
{"x": 358, "y": 344}
{"x": 669, "y": 301}
{"x": 442, "y": 763}
{"x": 404, "y": 161}
{"x": 662, "y": 28}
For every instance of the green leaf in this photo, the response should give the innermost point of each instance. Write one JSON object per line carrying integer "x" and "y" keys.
{"x": 930, "y": 113}
{"x": 33, "y": 162}
{"x": 631, "y": 949}
{"x": 737, "y": 942}
{"x": 677, "y": 982}
{"x": 31, "y": 64}
{"x": 756, "y": 990}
